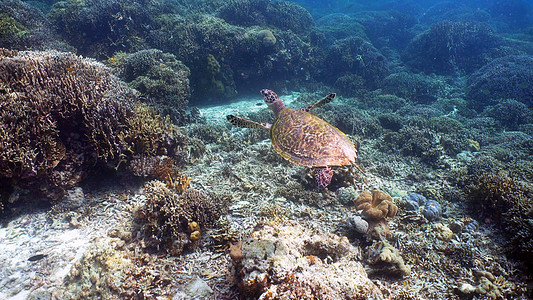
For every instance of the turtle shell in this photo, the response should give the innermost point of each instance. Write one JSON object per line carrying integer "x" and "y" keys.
{"x": 307, "y": 140}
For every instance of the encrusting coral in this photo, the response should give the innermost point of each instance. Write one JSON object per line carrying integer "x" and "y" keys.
{"x": 376, "y": 205}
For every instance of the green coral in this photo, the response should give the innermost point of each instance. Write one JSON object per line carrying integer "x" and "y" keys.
{"x": 10, "y": 27}
{"x": 160, "y": 77}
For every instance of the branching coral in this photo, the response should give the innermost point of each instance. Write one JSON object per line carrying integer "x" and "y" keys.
{"x": 449, "y": 47}
{"x": 171, "y": 221}
{"x": 507, "y": 202}
{"x": 62, "y": 115}
{"x": 376, "y": 205}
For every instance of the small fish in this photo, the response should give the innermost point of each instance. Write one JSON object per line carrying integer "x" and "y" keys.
{"x": 70, "y": 69}
{"x": 258, "y": 104}
{"x": 523, "y": 85}
{"x": 37, "y": 257}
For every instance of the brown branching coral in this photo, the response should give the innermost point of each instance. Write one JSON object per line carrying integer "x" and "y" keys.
{"x": 62, "y": 115}
{"x": 170, "y": 220}
{"x": 507, "y": 202}
{"x": 376, "y": 205}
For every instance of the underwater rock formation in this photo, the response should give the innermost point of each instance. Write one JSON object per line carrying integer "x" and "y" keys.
{"x": 507, "y": 77}
{"x": 288, "y": 261}
{"x": 63, "y": 115}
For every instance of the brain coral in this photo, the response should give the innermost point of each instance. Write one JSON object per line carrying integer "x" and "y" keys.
{"x": 376, "y": 205}
{"x": 62, "y": 115}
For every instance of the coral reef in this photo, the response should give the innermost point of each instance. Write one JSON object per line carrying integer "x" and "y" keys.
{"x": 498, "y": 197}
{"x": 171, "y": 221}
{"x": 509, "y": 114}
{"x": 161, "y": 78}
{"x": 385, "y": 258}
{"x": 99, "y": 28}
{"x": 350, "y": 85}
{"x": 508, "y": 77}
{"x": 416, "y": 88}
{"x": 387, "y": 28}
{"x": 451, "y": 47}
{"x": 285, "y": 15}
{"x": 356, "y": 56}
{"x": 454, "y": 12}
{"x": 23, "y": 27}
{"x": 288, "y": 261}
{"x": 64, "y": 115}
{"x": 411, "y": 140}
{"x": 100, "y": 272}
{"x": 339, "y": 26}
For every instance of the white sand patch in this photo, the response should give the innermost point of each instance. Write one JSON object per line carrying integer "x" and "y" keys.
{"x": 217, "y": 113}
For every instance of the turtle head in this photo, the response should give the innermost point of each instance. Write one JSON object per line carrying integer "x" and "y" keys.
{"x": 273, "y": 101}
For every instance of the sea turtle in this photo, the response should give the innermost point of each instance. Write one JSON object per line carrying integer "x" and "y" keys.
{"x": 303, "y": 138}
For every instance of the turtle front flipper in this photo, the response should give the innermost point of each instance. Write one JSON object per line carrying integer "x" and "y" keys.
{"x": 320, "y": 103}
{"x": 245, "y": 123}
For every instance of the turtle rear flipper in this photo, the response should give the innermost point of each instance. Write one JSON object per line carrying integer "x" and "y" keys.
{"x": 320, "y": 102}
{"x": 245, "y": 123}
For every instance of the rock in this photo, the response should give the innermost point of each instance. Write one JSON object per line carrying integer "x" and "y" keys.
{"x": 443, "y": 232}
{"x": 198, "y": 288}
{"x": 289, "y": 261}
{"x": 357, "y": 224}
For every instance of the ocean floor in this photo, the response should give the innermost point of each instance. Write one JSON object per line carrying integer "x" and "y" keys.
{"x": 89, "y": 247}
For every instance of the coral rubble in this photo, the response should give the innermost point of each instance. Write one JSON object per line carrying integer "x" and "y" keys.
{"x": 288, "y": 261}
